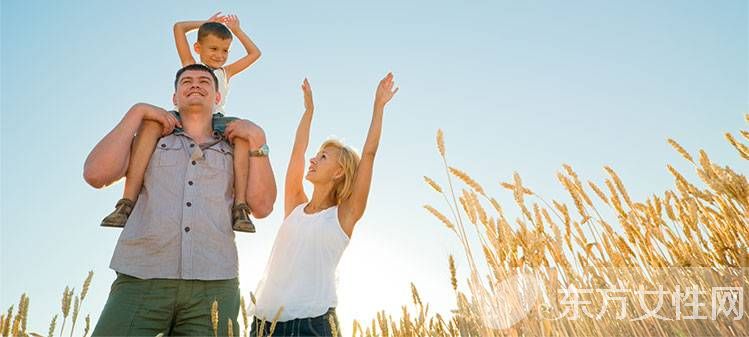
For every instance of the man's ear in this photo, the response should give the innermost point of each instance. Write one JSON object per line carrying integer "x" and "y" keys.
{"x": 174, "y": 99}
{"x": 218, "y": 97}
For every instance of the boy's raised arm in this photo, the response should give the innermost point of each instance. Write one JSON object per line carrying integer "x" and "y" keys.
{"x": 253, "y": 53}
{"x": 180, "y": 39}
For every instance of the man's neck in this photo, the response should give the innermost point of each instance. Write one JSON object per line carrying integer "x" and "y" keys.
{"x": 197, "y": 124}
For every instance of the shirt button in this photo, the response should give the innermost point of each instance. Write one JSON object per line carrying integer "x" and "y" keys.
{"x": 194, "y": 162}
{"x": 192, "y": 145}
{"x": 189, "y": 204}
{"x": 189, "y": 182}
{"x": 187, "y": 229}
{"x": 163, "y": 145}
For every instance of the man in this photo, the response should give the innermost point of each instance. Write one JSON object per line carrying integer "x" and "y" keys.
{"x": 177, "y": 254}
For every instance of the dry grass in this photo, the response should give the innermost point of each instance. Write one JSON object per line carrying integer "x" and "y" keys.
{"x": 700, "y": 228}
{"x": 692, "y": 235}
{"x": 11, "y": 325}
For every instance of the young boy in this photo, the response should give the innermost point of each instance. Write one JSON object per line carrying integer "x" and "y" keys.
{"x": 212, "y": 46}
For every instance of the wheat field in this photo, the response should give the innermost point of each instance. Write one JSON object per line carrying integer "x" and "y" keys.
{"x": 685, "y": 242}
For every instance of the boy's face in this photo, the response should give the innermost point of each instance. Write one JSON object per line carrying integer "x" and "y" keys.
{"x": 213, "y": 50}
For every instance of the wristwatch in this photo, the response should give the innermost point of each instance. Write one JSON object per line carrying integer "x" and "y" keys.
{"x": 261, "y": 152}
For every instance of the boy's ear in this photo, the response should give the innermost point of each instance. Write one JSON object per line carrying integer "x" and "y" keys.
{"x": 196, "y": 47}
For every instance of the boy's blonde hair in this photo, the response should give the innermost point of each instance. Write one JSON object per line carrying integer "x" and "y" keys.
{"x": 349, "y": 161}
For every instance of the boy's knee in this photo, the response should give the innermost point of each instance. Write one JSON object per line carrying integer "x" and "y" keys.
{"x": 140, "y": 107}
{"x": 150, "y": 124}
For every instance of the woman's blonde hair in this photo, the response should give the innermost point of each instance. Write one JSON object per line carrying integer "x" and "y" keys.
{"x": 349, "y": 161}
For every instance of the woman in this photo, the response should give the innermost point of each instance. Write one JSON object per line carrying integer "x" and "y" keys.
{"x": 300, "y": 275}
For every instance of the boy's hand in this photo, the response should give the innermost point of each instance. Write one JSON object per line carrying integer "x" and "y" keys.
{"x": 308, "y": 104}
{"x": 231, "y": 21}
{"x": 385, "y": 91}
{"x": 217, "y": 18}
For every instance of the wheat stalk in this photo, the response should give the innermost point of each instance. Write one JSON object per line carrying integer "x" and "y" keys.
{"x": 52, "y": 325}
{"x": 214, "y": 317}
{"x": 681, "y": 150}
{"x": 440, "y": 216}
{"x": 433, "y": 184}
{"x": 244, "y": 316}
{"x": 88, "y": 325}
{"x": 275, "y": 320}
{"x": 333, "y": 326}
{"x": 441, "y": 142}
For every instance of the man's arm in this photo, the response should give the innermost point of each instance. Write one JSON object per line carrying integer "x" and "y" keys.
{"x": 253, "y": 53}
{"x": 261, "y": 194}
{"x": 109, "y": 159}
{"x": 180, "y": 39}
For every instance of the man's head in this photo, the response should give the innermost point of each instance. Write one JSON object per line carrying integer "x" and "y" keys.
{"x": 195, "y": 85}
{"x": 213, "y": 44}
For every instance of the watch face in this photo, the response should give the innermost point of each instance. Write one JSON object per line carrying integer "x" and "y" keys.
{"x": 261, "y": 152}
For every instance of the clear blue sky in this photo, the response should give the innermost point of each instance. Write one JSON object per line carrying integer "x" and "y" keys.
{"x": 517, "y": 86}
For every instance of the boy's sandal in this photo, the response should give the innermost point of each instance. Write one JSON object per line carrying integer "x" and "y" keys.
{"x": 241, "y": 218}
{"x": 119, "y": 216}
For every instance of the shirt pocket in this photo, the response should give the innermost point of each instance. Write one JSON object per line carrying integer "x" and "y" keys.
{"x": 218, "y": 172}
{"x": 219, "y": 158}
{"x": 167, "y": 152}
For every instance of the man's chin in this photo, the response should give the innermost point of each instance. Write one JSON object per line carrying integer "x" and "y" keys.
{"x": 194, "y": 106}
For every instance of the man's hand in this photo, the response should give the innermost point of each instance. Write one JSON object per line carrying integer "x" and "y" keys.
{"x": 385, "y": 91}
{"x": 245, "y": 129}
{"x": 231, "y": 21}
{"x": 308, "y": 104}
{"x": 153, "y": 113}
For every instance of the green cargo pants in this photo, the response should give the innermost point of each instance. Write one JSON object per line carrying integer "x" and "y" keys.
{"x": 137, "y": 307}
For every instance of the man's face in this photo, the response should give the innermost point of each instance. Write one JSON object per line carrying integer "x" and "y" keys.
{"x": 196, "y": 88}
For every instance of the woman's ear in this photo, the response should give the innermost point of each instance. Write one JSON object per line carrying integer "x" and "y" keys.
{"x": 339, "y": 174}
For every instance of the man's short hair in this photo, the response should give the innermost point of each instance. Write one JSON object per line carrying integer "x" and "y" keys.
{"x": 198, "y": 67}
{"x": 214, "y": 28}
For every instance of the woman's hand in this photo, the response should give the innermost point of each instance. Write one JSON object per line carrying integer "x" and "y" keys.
{"x": 385, "y": 91}
{"x": 308, "y": 104}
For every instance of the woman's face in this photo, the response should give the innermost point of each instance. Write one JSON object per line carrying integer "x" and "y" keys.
{"x": 324, "y": 167}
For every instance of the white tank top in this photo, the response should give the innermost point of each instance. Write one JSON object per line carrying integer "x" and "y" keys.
{"x": 301, "y": 270}
{"x": 223, "y": 88}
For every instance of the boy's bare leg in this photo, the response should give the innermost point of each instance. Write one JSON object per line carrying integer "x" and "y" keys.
{"x": 140, "y": 154}
{"x": 241, "y": 212}
{"x": 241, "y": 169}
{"x": 142, "y": 150}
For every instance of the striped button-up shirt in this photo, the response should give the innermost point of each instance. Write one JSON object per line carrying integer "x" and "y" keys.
{"x": 180, "y": 227}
